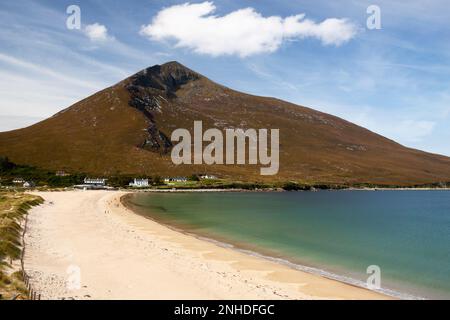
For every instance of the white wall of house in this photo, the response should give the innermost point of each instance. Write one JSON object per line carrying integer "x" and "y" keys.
{"x": 140, "y": 183}
{"x": 95, "y": 181}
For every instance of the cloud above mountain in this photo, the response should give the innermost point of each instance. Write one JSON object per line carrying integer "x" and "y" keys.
{"x": 97, "y": 32}
{"x": 243, "y": 32}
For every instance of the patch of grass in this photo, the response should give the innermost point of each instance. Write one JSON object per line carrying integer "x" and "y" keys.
{"x": 13, "y": 208}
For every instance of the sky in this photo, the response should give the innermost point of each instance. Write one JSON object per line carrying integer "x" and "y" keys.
{"x": 393, "y": 80}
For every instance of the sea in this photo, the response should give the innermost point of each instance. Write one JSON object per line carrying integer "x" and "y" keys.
{"x": 401, "y": 237}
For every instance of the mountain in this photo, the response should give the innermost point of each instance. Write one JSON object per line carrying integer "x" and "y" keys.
{"x": 126, "y": 129}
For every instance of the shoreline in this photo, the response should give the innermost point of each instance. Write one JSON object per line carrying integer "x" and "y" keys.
{"x": 197, "y": 189}
{"x": 260, "y": 254}
{"x": 122, "y": 255}
{"x": 150, "y": 190}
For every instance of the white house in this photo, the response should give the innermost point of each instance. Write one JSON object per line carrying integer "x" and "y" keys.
{"x": 175, "y": 179}
{"x": 139, "y": 183}
{"x": 18, "y": 181}
{"x": 95, "y": 181}
{"x": 208, "y": 177}
{"x": 29, "y": 184}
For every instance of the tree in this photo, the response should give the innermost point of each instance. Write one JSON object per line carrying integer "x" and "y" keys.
{"x": 194, "y": 177}
{"x": 5, "y": 164}
{"x": 157, "y": 180}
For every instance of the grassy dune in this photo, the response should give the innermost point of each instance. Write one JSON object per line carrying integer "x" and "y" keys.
{"x": 13, "y": 209}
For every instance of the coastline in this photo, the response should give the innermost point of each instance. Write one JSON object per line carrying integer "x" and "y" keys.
{"x": 261, "y": 253}
{"x": 181, "y": 190}
{"x": 122, "y": 255}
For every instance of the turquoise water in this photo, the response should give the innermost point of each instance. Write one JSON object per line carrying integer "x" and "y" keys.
{"x": 337, "y": 233}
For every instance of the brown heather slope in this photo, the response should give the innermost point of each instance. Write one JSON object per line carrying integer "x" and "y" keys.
{"x": 125, "y": 128}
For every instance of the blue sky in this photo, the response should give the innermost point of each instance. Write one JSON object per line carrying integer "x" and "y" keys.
{"x": 394, "y": 81}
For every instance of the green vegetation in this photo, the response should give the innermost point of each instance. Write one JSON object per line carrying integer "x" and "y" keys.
{"x": 10, "y": 170}
{"x": 194, "y": 177}
{"x": 13, "y": 208}
{"x": 41, "y": 177}
{"x": 293, "y": 186}
{"x": 5, "y": 164}
{"x": 217, "y": 184}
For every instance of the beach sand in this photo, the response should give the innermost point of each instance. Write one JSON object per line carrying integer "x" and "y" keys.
{"x": 116, "y": 254}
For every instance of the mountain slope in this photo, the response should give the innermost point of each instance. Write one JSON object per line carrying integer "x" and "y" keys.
{"x": 126, "y": 129}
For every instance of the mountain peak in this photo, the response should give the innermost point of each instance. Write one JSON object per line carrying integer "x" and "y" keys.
{"x": 175, "y": 65}
{"x": 171, "y": 68}
{"x": 167, "y": 77}
{"x": 126, "y": 129}
{"x": 148, "y": 88}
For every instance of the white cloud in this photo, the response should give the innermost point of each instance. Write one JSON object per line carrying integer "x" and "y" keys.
{"x": 97, "y": 32}
{"x": 242, "y": 32}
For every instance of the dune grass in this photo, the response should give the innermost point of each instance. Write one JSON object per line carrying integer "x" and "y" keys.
{"x": 13, "y": 209}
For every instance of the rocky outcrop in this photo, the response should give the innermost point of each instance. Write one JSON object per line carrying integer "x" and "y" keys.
{"x": 149, "y": 89}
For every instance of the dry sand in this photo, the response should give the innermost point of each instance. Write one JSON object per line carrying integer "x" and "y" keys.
{"x": 121, "y": 255}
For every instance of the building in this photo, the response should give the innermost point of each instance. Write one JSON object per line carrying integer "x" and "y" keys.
{"x": 139, "y": 183}
{"x": 208, "y": 177}
{"x": 29, "y": 184}
{"x": 98, "y": 182}
{"x": 18, "y": 181}
{"x": 175, "y": 179}
{"x": 93, "y": 184}
{"x": 61, "y": 173}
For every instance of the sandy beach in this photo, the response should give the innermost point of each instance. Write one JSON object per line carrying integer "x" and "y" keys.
{"x": 115, "y": 254}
